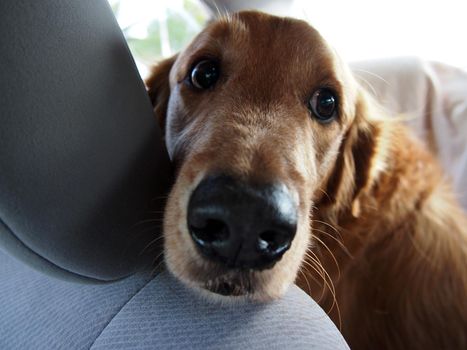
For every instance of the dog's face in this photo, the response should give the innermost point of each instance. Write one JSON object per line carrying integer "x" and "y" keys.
{"x": 255, "y": 113}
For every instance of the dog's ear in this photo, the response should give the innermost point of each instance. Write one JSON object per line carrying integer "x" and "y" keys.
{"x": 159, "y": 89}
{"x": 355, "y": 166}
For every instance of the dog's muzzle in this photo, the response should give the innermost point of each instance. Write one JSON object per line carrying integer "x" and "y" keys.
{"x": 241, "y": 225}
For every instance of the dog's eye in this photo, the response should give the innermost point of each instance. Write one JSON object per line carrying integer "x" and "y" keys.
{"x": 204, "y": 74}
{"x": 323, "y": 105}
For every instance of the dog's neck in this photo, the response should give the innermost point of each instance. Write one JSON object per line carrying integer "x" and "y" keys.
{"x": 383, "y": 216}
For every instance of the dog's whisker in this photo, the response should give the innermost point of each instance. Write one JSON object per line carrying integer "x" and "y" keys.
{"x": 334, "y": 234}
{"x": 158, "y": 198}
{"x": 156, "y": 228}
{"x": 331, "y": 288}
{"x": 372, "y": 74}
{"x": 220, "y": 14}
{"x": 368, "y": 84}
{"x": 300, "y": 270}
{"x": 311, "y": 255}
{"x": 340, "y": 243}
{"x": 142, "y": 222}
{"x": 322, "y": 284}
{"x": 328, "y": 225}
{"x": 325, "y": 193}
{"x": 329, "y": 285}
{"x": 161, "y": 261}
{"x": 332, "y": 255}
{"x": 311, "y": 275}
{"x": 157, "y": 239}
{"x": 159, "y": 212}
{"x": 318, "y": 267}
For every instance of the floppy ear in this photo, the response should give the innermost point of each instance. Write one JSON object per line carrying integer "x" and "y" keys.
{"x": 355, "y": 166}
{"x": 159, "y": 89}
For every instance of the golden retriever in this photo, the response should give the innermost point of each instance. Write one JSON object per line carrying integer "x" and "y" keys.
{"x": 286, "y": 171}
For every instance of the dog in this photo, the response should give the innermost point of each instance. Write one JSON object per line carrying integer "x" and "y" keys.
{"x": 286, "y": 170}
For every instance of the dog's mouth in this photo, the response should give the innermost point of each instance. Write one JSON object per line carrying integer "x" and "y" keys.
{"x": 239, "y": 285}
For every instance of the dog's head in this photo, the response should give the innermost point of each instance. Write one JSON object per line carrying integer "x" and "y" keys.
{"x": 261, "y": 119}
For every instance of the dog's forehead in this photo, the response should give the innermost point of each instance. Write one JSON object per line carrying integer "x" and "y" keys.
{"x": 263, "y": 42}
{"x": 263, "y": 33}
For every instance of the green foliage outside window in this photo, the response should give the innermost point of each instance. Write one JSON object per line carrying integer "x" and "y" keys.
{"x": 171, "y": 27}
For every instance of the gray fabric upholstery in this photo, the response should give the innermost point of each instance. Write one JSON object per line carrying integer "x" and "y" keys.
{"x": 40, "y": 312}
{"x": 81, "y": 156}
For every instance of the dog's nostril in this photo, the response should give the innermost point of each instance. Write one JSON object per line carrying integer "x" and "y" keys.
{"x": 273, "y": 242}
{"x": 209, "y": 231}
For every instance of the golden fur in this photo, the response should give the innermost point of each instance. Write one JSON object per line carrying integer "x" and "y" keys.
{"x": 381, "y": 241}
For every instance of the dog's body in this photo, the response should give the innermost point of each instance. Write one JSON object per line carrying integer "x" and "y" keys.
{"x": 387, "y": 248}
{"x": 401, "y": 254}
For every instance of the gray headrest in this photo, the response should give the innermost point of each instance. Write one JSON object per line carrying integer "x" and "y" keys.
{"x": 81, "y": 158}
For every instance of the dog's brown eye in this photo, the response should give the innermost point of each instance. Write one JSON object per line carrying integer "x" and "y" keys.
{"x": 204, "y": 74}
{"x": 323, "y": 105}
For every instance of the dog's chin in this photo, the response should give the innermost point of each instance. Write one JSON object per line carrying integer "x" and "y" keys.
{"x": 225, "y": 287}
{"x": 233, "y": 286}
{"x": 229, "y": 286}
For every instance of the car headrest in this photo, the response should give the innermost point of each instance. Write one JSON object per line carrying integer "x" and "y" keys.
{"x": 81, "y": 157}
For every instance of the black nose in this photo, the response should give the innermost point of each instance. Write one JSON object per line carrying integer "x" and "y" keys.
{"x": 242, "y": 225}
